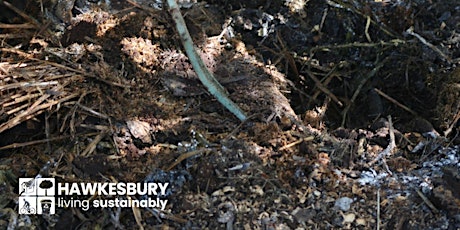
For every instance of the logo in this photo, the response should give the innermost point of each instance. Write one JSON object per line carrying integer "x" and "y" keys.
{"x": 36, "y": 196}
{"x": 44, "y": 195}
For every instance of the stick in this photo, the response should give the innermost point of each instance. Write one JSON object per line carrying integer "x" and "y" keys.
{"x": 433, "y": 47}
{"x": 310, "y": 138}
{"x": 394, "y": 101}
{"x": 323, "y": 88}
{"x": 358, "y": 89}
{"x": 389, "y": 149}
{"x": 208, "y": 80}
{"x": 186, "y": 155}
{"x": 427, "y": 202}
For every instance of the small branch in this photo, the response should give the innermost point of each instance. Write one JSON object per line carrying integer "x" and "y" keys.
{"x": 452, "y": 125}
{"x": 21, "y": 13}
{"x": 366, "y": 31}
{"x": 425, "y": 42}
{"x": 309, "y": 138}
{"x": 371, "y": 74}
{"x": 323, "y": 88}
{"x": 208, "y": 80}
{"x": 389, "y": 149}
{"x": 19, "y": 145}
{"x": 394, "y": 42}
{"x": 394, "y": 101}
{"x": 427, "y": 201}
{"x": 17, "y": 26}
{"x": 187, "y": 155}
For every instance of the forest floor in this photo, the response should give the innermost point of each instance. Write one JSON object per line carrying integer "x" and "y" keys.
{"x": 353, "y": 112}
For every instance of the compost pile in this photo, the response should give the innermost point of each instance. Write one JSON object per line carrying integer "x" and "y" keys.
{"x": 353, "y": 112}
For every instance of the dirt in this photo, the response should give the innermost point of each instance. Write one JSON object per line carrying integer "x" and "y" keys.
{"x": 353, "y": 118}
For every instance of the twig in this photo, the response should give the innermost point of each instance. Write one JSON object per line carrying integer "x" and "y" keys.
{"x": 310, "y": 138}
{"x": 19, "y": 97}
{"x": 21, "y": 13}
{"x": 172, "y": 217}
{"x": 93, "y": 112}
{"x": 29, "y": 57}
{"x": 208, "y": 80}
{"x": 323, "y": 88}
{"x": 327, "y": 79}
{"x": 186, "y": 155}
{"x": 390, "y": 146}
{"x": 17, "y": 26}
{"x": 427, "y": 202}
{"x": 235, "y": 130}
{"x": 47, "y": 132}
{"x": 424, "y": 41}
{"x": 33, "y": 110}
{"x": 350, "y": 7}
{"x": 11, "y": 36}
{"x": 385, "y": 165}
{"x": 358, "y": 90}
{"x": 394, "y": 42}
{"x": 92, "y": 146}
{"x": 453, "y": 123}
{"x": 18, "y": 145}
{"x": 137, "y": 216}
{"x": 42, "y": 28}
{"x": 394, "y": 101}
{"x": 366, "y": 31}
{"x": 392, "y": 132}
{"x": 27, "y": 84}
{"x": 16, "y": 109}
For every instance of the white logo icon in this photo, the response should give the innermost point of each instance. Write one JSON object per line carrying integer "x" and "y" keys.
{"x": 36, "y": 196}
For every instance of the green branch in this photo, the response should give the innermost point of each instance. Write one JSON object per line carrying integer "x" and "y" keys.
{"x": 208, "y": 80}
